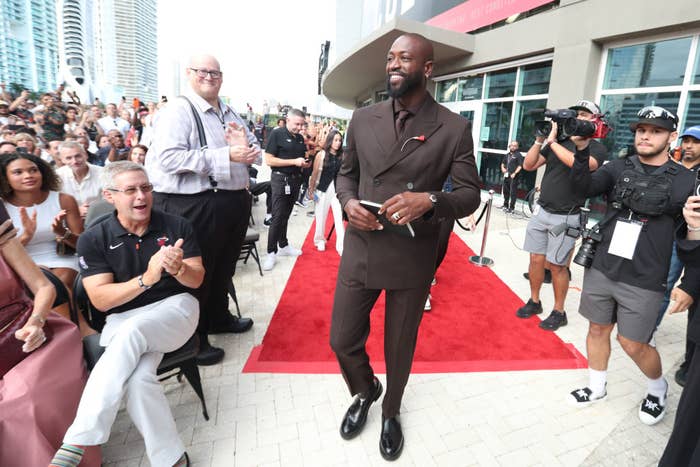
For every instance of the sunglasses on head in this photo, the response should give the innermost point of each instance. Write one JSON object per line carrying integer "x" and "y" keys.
{"x": 653, "y": 111}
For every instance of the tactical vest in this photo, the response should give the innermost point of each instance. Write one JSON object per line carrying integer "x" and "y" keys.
{"x": 642, "y": 193}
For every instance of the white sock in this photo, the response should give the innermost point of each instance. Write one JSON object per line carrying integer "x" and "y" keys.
{"x": 657, "y": 387}
{"x": 596, "y": 381}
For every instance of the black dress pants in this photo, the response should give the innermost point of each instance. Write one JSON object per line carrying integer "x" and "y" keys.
{"x": 282, "y": 206}
{"x": 350, "y": 329}
{"x": 220, "y": 221}
{"x": 510, "y": 192}
{"x": 683, "y": 448}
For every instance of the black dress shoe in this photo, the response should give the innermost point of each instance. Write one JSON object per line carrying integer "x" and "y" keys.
{"x": 209, "y": 355}
{"x": 356, "y": 415}
{"x": 391, "y": 441}
{"x": 235, "y": 325}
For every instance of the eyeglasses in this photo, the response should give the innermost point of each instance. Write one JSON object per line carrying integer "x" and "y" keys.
{"x": 654, "y": 111}
{"x": 203, "y": 73}
{"x": 131, "y": 191}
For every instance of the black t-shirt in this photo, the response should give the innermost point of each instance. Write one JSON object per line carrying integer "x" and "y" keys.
{"x": 109, "y": 248}
{"x": 556, "y": 193}
{"x": 512, "y": 161}
{"x": 285, "y": 145}
{"x": 649, "y": 265}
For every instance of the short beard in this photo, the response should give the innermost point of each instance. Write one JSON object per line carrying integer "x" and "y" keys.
{"x": 650, "y": 156}
{"x": 410, "y": 83}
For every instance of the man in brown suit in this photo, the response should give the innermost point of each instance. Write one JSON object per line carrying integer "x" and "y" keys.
{"x": 399, "y": 153}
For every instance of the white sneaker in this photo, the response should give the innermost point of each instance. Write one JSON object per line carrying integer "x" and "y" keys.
{"x": 320, "y": 246}
{"x": 269, "y": 262}
{"x": 584, "y": 397}
{"x": 427, "y": 306}
{"x": 651, "y": 411}
{"x": 289, "y": 250}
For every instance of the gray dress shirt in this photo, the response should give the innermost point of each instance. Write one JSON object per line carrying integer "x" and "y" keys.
{"x": 177, "y": 164}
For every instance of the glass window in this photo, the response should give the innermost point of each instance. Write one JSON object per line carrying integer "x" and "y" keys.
{"x": 470, "y": 88}
{"x": 534, "y": 79}
{"x": 526, "y": 113}
{"x": 447, "y": 90}
{"x": 490, "y": 171}
{"x": 622, "y": 110}
{"x": 500, "y": 84}
{"x": 496, "y": 125}
{"x": 696, "y": 75}
{"x": 653, "y": 64}
{"x": 692, "y": 110}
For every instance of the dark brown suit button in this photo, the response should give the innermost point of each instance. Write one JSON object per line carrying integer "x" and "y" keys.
{"x": 376, "y": 182}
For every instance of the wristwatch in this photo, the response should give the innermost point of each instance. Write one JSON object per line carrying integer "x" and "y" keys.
{"x": 141, "y": 284}
{"x": 433, "y": 199}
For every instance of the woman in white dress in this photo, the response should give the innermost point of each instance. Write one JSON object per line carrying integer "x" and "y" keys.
{"x": 322, "y": 183}
{"x": 48, "y": 222}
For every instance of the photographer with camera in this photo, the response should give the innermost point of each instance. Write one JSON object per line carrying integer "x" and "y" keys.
{"x": 627, "y": 253}
{"x": 553, "y": 229}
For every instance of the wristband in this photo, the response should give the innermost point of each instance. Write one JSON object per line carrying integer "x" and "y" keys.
{"x": 537, "y": 143}
{"x": 141, "y": 284}
{"x": 693, "y": 229}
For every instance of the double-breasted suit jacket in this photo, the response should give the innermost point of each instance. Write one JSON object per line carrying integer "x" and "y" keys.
{"x": 377, "y": 165}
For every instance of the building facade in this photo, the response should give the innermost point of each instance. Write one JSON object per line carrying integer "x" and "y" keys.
{"x": 526, "y": 55}
{"x": 28, "y": 43}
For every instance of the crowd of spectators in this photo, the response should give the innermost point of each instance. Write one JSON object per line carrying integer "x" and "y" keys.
{"x": 53, "y": 151}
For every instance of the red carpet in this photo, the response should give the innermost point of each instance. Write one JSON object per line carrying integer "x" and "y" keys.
{"x": 472, "y": 326}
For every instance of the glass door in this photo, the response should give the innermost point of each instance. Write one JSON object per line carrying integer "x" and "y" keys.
{"x": 471, "y": 110}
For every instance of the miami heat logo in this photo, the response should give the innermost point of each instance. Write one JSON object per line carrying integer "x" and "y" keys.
{"x": 162, "y": 241}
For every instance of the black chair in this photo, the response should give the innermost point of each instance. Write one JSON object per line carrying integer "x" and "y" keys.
{"x": 248, "y": 249}
{"x": 182, "y": 359}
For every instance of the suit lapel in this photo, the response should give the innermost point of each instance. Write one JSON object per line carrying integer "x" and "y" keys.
{"x": 424, "y": 123}
{"x": 383, "y": 125}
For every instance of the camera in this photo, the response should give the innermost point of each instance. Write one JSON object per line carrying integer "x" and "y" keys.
{"x": 569, "y": 125}
{"x": 590, "y": 238}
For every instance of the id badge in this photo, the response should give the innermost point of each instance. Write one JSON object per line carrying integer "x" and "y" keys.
{"x": 287, "y": 189}
{"x": 625, "y": 238}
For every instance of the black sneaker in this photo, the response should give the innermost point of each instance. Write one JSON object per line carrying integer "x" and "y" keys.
{"x": 267, "y": 222}
{"x": 651, "y": 411}
{"x": 582, "y": 397}
{"x": 554, "y": 321}
{"x": 529, "y": 309}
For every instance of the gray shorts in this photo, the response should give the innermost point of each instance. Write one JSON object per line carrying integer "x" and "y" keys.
{"x": 635, "y": 310}
{"x": 540, "y": 240}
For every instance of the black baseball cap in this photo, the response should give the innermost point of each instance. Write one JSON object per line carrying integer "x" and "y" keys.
{"x": 656, "y": 116}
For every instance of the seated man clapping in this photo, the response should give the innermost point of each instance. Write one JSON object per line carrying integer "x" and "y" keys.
{"x": 140, "y": 267}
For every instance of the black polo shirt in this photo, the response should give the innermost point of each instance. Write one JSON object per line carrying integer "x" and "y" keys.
{"x": 511, "y": 161}
{"x": 285, "y": 145}
{"x": 107, "y": 247}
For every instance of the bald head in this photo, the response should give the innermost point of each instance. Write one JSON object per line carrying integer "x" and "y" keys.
{"x": 409, "y": 65}
{"x": 421, "y": 45}
{"x": 198, "y": 61}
